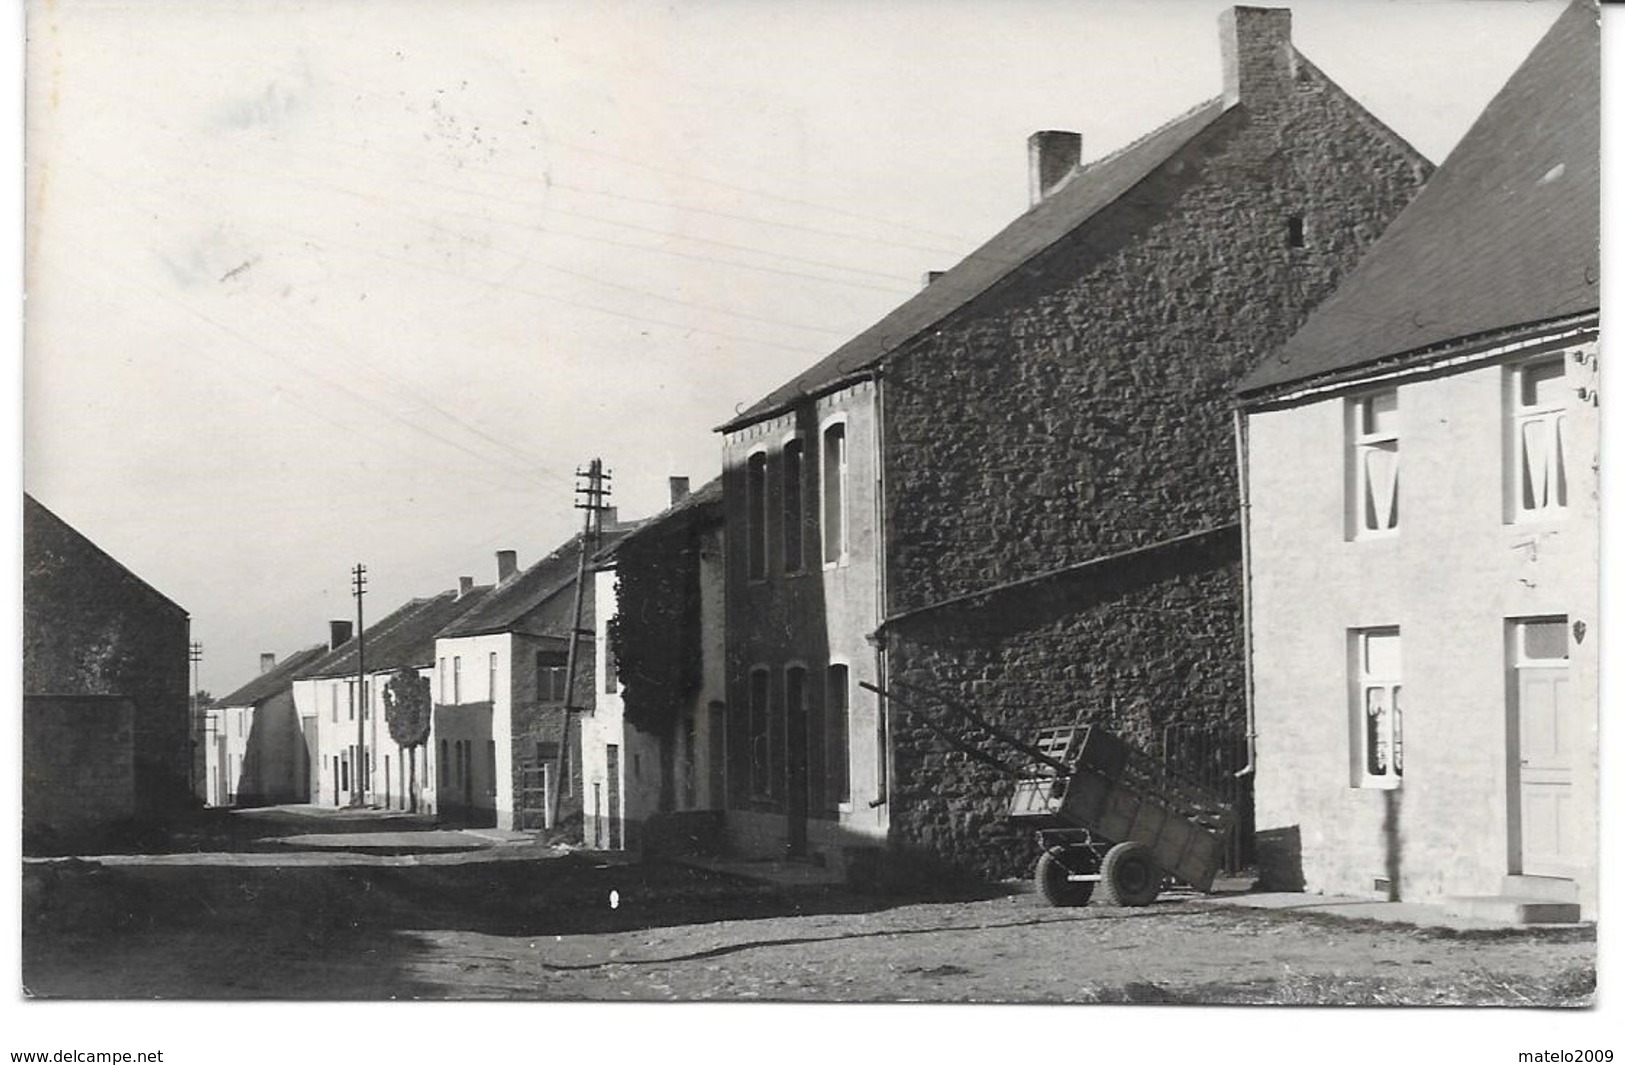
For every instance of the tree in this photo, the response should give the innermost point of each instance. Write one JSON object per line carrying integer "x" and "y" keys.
{"x": 409, "y": 713}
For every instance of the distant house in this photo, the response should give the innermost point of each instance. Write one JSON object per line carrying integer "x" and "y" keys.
{"x": 327, "y": 689}
{"x": 1421, "y": 473}
{"x": 106, "y": 720}
{"x": 255, "y": 745}
{"x": 499, "y": 690}
{"x": 656, "y": 740}
{"x": 1017, "y": 491}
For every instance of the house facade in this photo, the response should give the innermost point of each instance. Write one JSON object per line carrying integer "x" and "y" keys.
{"x": 107, "y": 724}
{"x": 655, "y": 743}
{"x": 1017, "y": 491}
{"x": 257, "y": 750}
{"x": 1421, "y": 469}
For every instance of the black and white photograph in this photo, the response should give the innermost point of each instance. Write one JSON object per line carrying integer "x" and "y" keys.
{"x": 1085, "y": 503}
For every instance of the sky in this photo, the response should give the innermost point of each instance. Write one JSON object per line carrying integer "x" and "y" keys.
{"x": 312, "y": 284}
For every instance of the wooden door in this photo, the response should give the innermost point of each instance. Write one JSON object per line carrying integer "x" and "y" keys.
{"x": 1546, "y": 757}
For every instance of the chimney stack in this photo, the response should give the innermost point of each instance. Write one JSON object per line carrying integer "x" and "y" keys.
{"x": 507, "y": 565}
{"x": 1259, "y": 62}
{"x": 611, "y": 517}
{"x": 464, "y": 586}
{"x": 930, "y": 276}
{"x": 1052, "y": 155}
{"x": 267, "y": 661}
{"x": 339, "y": 633}
{"x": 679, "y": 488}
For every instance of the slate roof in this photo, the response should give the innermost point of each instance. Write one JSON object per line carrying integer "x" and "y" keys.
{"x": 1089, "y": 190}
{"x": 704, "y": 504}
{"x": 1505, "y": 235}
{"x": 403, "y": 638}
{"x": 511, "y": 600}
{"x": 274, "y": 680}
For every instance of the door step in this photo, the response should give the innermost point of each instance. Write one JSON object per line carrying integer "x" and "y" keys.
{"x": 1513, "y": 909}
{"x": 1551, "y": 888}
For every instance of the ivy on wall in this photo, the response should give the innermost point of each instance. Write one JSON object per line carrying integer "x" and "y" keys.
{"x": 655, "y": 636}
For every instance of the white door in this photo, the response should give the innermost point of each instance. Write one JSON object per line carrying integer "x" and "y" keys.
{"x": 1546, "y": 748}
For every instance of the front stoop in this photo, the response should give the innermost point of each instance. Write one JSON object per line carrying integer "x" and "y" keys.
{"x": 1513, "y": 909}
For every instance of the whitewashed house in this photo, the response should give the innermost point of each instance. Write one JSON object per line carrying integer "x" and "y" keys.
{"x": 655, "y": 743}
{"x": 1421, "y": 532}
{"x": 255, "y": 749}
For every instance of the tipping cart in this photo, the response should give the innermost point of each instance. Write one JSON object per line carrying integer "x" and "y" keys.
{"x": 1104, "y": 812}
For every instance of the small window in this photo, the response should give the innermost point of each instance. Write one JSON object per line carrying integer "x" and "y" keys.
{"x": 761, "y": 785}
{"x": 457, "y": 680}
{"x": 551, "y": 677}
{"x": 756, "y": 515}
{"x": 1375, "y": 459}
{"x": 612, "y": 669}
{"x": 491, "y": 678}
{"x": 794, "y": 519}
{"x": 349, "y": 689}
{"x": 1295, "y": 231}
{"x": 834, "y": 483}
{"x": 1543, "y": 640}
{"x": 1378, "y": 715}
{"x": 837, "y": 751}
{"x": 1539, "y": 436}
{"x": 443, "y": 680}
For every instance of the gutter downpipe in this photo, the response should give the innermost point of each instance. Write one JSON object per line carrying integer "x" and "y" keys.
{"x": 1240, "y": 419}
{"x": 882, "y": 559}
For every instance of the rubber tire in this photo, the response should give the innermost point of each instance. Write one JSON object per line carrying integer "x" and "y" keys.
{"x": 1056, "y": 889}
{"x": 1128, "y": 876}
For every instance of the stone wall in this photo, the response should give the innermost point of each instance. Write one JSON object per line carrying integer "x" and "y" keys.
{"x": 1082, "y": 407}
{"x": 91, "y": 627}
{"x": 78, "y": 764}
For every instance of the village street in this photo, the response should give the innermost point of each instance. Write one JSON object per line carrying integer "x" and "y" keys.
{"x": 280, "y": 906}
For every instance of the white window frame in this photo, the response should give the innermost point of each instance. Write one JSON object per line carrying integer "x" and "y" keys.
{"x": 1549, "y": 418}
{"x": 1376, "y": 713}
{"x": 832, "y": 798}
{"x": 799, "y": 441}
{"x": 756, "y": 517}
{"x": 841, "y": 486}
{"x": 1365, "y": 441}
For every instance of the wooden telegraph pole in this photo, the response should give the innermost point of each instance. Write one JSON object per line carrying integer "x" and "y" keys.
{"x": 358, "y": 581}
{"x": 594, "y": 492}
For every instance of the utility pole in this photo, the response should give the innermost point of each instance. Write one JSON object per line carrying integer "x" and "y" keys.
{"x": 593, "y": 494}
{"x": 358, "y": 581}
{"x": 194, "y": 654}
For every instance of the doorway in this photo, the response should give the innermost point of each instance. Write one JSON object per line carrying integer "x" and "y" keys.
{"x": 1546, "y": 737}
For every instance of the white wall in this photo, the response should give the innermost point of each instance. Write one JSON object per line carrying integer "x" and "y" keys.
{"x": 1451, "y": 578}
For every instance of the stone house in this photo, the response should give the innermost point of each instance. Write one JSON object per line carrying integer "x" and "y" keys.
{"x": 107, "y": 726}
{"x": 1017, "y": 491}
{"x": 255, "y": 746}
{"x": 499, "y": 688}
{"x": 654, "y": 746}
{"x": 1423, "y": 455}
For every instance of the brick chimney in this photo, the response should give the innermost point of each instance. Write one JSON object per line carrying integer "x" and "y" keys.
{"x": 611, "y": 517}
{"x": 267, "y": 661}
{"x": 1259, "y": 62}
{"x": 1052, "y": 155}
{"x": 464, "y": 586}
{"x": 339, "y": 633}
{"x": 507, "y": 565}
{"x": 679, "y": 488}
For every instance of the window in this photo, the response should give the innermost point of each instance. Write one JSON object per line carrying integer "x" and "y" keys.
{"x": 457, "y": 680}
{"x": 761, "y": 785}
{"x": 1540, "y": 476}
{"x": 794, "y": 520}
{"x": 1375, "y": 458}
{"x": 333, "y": 700}
{"x": 442, "y": 680}
{"x": 756, "y": 515}
{"x": 349, "y": 690}
{"x": 1295, "y": 231}
{"x": 612, "y": 669}
{"x": 833, "y": 480}
{"x": 491, "y": 677}
{"x": 443, "y": 760}
{"x": 1379, "y": 750}
{"x": 837, "y": 757}
{"x": 551, "y": 675}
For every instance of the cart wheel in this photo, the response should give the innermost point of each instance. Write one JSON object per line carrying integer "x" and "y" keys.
{"x": 1051, "y": 878}
{"x": 1128, "y": 876}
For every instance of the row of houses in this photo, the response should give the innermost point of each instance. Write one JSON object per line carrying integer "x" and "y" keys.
{"x": 1135, "y": 461}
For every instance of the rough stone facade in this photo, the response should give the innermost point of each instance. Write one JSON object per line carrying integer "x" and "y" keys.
{"x": 1103, "y": 371}
{"x": 91, "y": 627}
{"x": 78, "y": 764}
